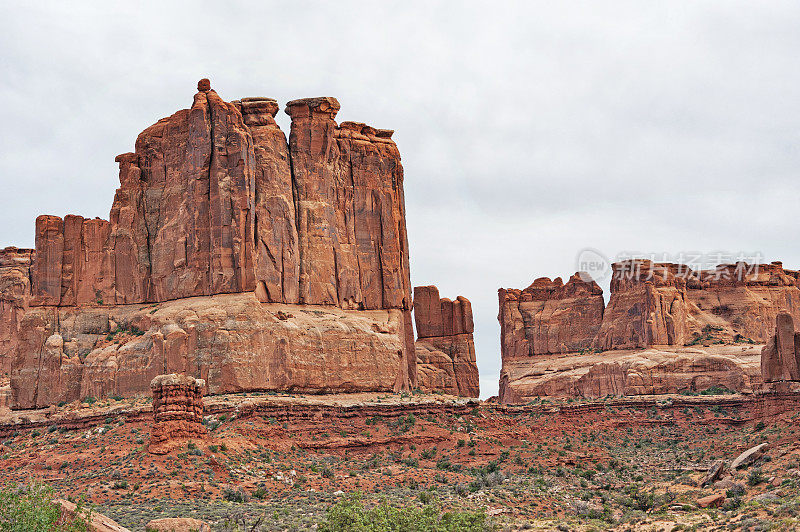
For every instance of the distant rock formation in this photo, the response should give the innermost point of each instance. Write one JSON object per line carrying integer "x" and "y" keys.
{"x": 647, "y": 307}
{"x": 780, "y": 358}
{"x": 216, "y": 201}
{"x": 445, "y": 348}
{"x": 550, "y": 317}
{"x": 177, "y": 412}
{"x": 651, "y": 305}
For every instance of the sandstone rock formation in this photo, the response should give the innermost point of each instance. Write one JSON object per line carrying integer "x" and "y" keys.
{"x": 69, "y": 513}
{"x": 651, "y": 304}
{"x": 741, "y": 301}
{"x": 177, "y": 524}
{"x": 231, "y": 341}
{"x": 14, "y": 294}
{"x": 213, "y": 201}
{"x": 550, "y": 316}
{"x": 647, "y": 307}
{"x": 177, "y": 411}
{"x": 780, "y": 358}
{"x": 445, "y": 349}
{"x": 669, "y": 304}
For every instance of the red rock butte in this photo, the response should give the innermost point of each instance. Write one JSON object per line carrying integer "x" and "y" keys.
{"x": 652, "y": 305}
{"x": 232, "y": 255}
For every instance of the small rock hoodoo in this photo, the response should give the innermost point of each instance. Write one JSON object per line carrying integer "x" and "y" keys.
{"x": 177, "y": 411}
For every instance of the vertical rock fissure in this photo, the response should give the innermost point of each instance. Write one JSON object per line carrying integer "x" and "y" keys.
{"x": 296, "y": 201}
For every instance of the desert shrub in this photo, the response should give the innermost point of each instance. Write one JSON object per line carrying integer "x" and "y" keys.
{"x": 427, "y": 454}
{"x": 235, "y": 495}
{"x": 755, "y": 477}
{"x": 350, "y": 515}
{"x": 31, "y": 508}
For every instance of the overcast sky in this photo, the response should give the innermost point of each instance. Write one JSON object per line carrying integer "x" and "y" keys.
{"x": 528, "y": 132}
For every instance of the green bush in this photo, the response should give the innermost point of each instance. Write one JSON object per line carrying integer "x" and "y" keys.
{"x": 350, "y": 515}
{"x": 31, "y": 509}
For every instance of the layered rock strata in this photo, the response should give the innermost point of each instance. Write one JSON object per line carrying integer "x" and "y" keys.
{"x": 215, "y": 200}
{"x": 445, "y": 349}
{"x": 780, "y": 358}
{"x": 653, "y": 371}
{"x": 177, "y": 411}
{"x": 647, "y": 307}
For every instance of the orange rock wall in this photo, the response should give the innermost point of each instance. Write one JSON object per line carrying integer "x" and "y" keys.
{"x": 780, "y": 358}
{"x": 232, "y": 341}
{"x": 651, "y": 304}
{"x": 549, "y": 317}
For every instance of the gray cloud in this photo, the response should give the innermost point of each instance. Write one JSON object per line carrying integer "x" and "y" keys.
{"x": 528, "y": 130}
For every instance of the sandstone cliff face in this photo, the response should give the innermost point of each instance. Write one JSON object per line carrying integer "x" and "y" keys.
{"x": 14, "y": 297}
{"x": 647, "y": 307}
{"x": 232, "y": 341}
{"x": 215, "y": 200}
{"x": 445, "y": 349}
{"x": 780, "y": 358}
{"x": 177, "y": 412}
{"x": 549, "y": 317}
{"x": 740, "y": 301}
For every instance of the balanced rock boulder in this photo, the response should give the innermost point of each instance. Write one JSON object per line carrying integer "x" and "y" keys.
{"x": 216, "y": 201}
{"x": 445, "y": 348}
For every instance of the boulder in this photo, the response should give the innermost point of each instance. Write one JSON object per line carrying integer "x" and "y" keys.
{"x": 714, "y": 472}
{"x": 98, "y": 522}
{"x": 714, "y": 500}
{"x": 749, "y": 456}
